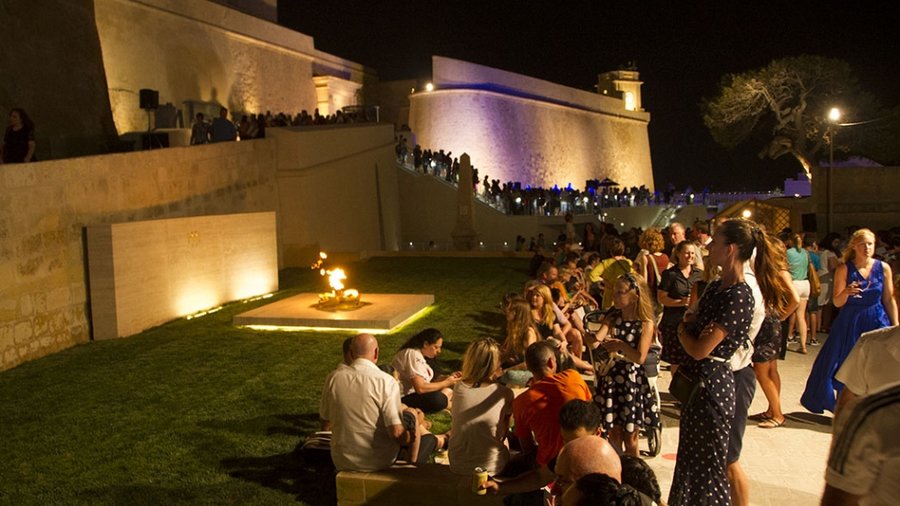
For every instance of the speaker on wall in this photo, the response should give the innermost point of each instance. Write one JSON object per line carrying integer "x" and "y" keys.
{"x": 149, "y": 99}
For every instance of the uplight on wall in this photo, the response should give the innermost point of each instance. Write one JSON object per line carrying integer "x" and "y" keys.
{"x": 746, "y": 213}
{"x": 429, "y": 87}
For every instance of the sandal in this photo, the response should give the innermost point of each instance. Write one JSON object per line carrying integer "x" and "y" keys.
{"x": 759, "y": 417}
{"x": 771, "y": 423}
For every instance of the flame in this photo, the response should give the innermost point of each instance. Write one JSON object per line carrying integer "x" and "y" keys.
{"x": 336, "y": 277}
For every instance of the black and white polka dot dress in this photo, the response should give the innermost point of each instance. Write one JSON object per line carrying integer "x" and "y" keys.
{"x": 624, "y": 394}
{"x": 700, "y": 476}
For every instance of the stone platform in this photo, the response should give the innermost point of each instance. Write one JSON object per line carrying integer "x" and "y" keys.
{"x": 378, "y": 313}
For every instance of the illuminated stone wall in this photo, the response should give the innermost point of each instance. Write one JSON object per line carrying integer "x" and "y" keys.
{"x": 201, "y": 51}
{"x": 516, "y": 128}
{"x": 199, "y": 263}
{"x": 45, "y": 206}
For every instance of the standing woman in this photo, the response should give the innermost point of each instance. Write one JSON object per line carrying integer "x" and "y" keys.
{"x": 829, "y": 258}
{"x": 865, "y": 294}
{"x": 18, "y": 142}
{"x": 798, "y": 265}
{"x": 674, "y": 293}
{"x": 626, "y": 333}
{"x": 710, "y": 338}
{"x": 420, "y": 387}
{"x": 482, "y": 409}
{"x": 767, "y": 342}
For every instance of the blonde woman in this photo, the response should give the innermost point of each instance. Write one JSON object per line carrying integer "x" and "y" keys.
{"x": 481, "y": 411}
{"x": 865, "y": 294}
{"x": 553, "y": 325}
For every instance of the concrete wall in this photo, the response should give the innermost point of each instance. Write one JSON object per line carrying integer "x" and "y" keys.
{"x": 199, "y": 263}
{"x": 517, "y": 128}
{"x": 861, "y": 196}
{"x": 202, "y": 51}
{"x": 45, "y": 206}
{"x": 338, "y": 191}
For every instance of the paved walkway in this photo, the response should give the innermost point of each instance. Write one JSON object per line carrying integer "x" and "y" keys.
{"x": 785, "y": 465}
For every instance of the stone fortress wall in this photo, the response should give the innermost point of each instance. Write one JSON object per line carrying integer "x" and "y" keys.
{"x": 517, "y": 128}
{"x": 45, "y": 206}
{"x": 204, "y": 52}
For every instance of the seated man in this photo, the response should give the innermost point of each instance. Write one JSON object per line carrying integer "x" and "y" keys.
{"x": 537, "y": 417}
{"x": 583, "y": 456}
{"x": 864, "y": 461}
{"x": 579, "y": 418}
{"x": 361, "y": 404}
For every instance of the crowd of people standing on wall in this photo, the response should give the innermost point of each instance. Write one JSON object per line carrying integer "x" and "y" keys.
{"x": 514, "y": 197}
{"x": 723, "y": 300}
{"x": 253, "y": 126}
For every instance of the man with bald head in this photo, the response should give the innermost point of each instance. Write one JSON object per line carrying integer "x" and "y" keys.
{"x": 361, "y": 404}
{"x": 583, "y": 456}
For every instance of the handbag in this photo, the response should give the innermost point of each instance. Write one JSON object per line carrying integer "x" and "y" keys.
{"x": 685, "y": 387}
{"x": 815, "y": 285}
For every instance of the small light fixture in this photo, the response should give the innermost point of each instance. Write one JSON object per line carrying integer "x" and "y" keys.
{"x": 429, "y": 87}
{"x": 746, "y": 214}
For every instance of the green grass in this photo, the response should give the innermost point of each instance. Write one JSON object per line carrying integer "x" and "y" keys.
{"x": 203, "y": 412}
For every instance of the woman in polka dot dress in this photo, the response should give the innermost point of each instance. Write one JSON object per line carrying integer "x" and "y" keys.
{"x": 710, "y": 336}
{"x": 624, "y": 394}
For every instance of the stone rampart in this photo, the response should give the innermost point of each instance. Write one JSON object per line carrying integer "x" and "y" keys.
{"x": 517, "y": 128}
{"x": 45, "y": 206}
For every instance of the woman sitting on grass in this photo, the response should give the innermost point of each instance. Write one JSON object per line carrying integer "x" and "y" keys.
{"x": 520, "y": 334}
{"x": 481, "y": 411}
{"x": 417, "y": 380}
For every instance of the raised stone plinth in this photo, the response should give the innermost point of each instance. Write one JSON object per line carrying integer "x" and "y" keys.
{"x": 378, "y": 313}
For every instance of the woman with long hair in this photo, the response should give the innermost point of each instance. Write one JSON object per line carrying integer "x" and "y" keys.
{"x": 864, "y": 292}
{"x": 18, "y": 141}
{"x": 626, "y": 333}
{"x": 421, "y": 389}
{"x": 520, "y": 334}
{"x": 552, "y": 326}
{"x": 798, "y": 265}
{"x": 767, "y": 342}
{"x": 710, "y": 337}
{"x": 482, "y": 409}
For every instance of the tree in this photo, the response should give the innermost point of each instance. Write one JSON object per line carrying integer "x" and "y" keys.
{"x": 783, "y": 107}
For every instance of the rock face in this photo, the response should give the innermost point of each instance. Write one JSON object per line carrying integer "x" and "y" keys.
{"x": 52, "y": 67}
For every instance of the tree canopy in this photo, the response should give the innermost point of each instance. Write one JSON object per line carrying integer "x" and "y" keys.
{"x": 783, "y": 107}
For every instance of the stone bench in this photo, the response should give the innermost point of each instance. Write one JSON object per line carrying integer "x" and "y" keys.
{"x": 431, "y": 484}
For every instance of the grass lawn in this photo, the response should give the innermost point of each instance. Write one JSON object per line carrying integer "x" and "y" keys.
{"x": 202, "y": 412}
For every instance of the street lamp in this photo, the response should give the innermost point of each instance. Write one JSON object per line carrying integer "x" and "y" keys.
{"x": 834, "y": 115}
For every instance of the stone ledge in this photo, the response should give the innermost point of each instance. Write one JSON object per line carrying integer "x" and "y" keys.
{"x": 431, "y": 484}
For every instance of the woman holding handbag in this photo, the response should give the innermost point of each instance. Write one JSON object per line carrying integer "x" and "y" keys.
{"x": 710, "y": 337}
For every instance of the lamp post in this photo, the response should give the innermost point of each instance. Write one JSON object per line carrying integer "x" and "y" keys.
{"x": 834, "y": 115}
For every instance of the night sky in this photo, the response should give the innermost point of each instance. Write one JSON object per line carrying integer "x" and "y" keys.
{"x": 681, "y": 50}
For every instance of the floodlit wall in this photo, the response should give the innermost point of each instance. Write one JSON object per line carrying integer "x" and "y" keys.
{"x": 337, "y": 189}
{"x": 517, "y": 128}
{"x": 861, "y": 197}
{"x": 201, "y": 51}
{"x": 199, "y": 263}
{"x": 45, "y": 206}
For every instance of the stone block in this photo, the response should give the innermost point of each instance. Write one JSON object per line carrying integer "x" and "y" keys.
{"x": 23, "y": 332}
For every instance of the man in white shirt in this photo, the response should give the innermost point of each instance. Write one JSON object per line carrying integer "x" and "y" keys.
{"x": 361, "y": 403}
{"x": 873, "y": 363}
{"x": 864, "y": 461}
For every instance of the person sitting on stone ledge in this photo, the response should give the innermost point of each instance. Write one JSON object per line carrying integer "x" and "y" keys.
{"x": 482, "y": 409}
{"x": 421, "y": 388}
{"x": 361, "y": 405}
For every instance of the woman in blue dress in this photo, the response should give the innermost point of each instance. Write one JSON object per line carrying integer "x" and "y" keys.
{"x": 866, "y": 302}
{"x": 710, "y": 338}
